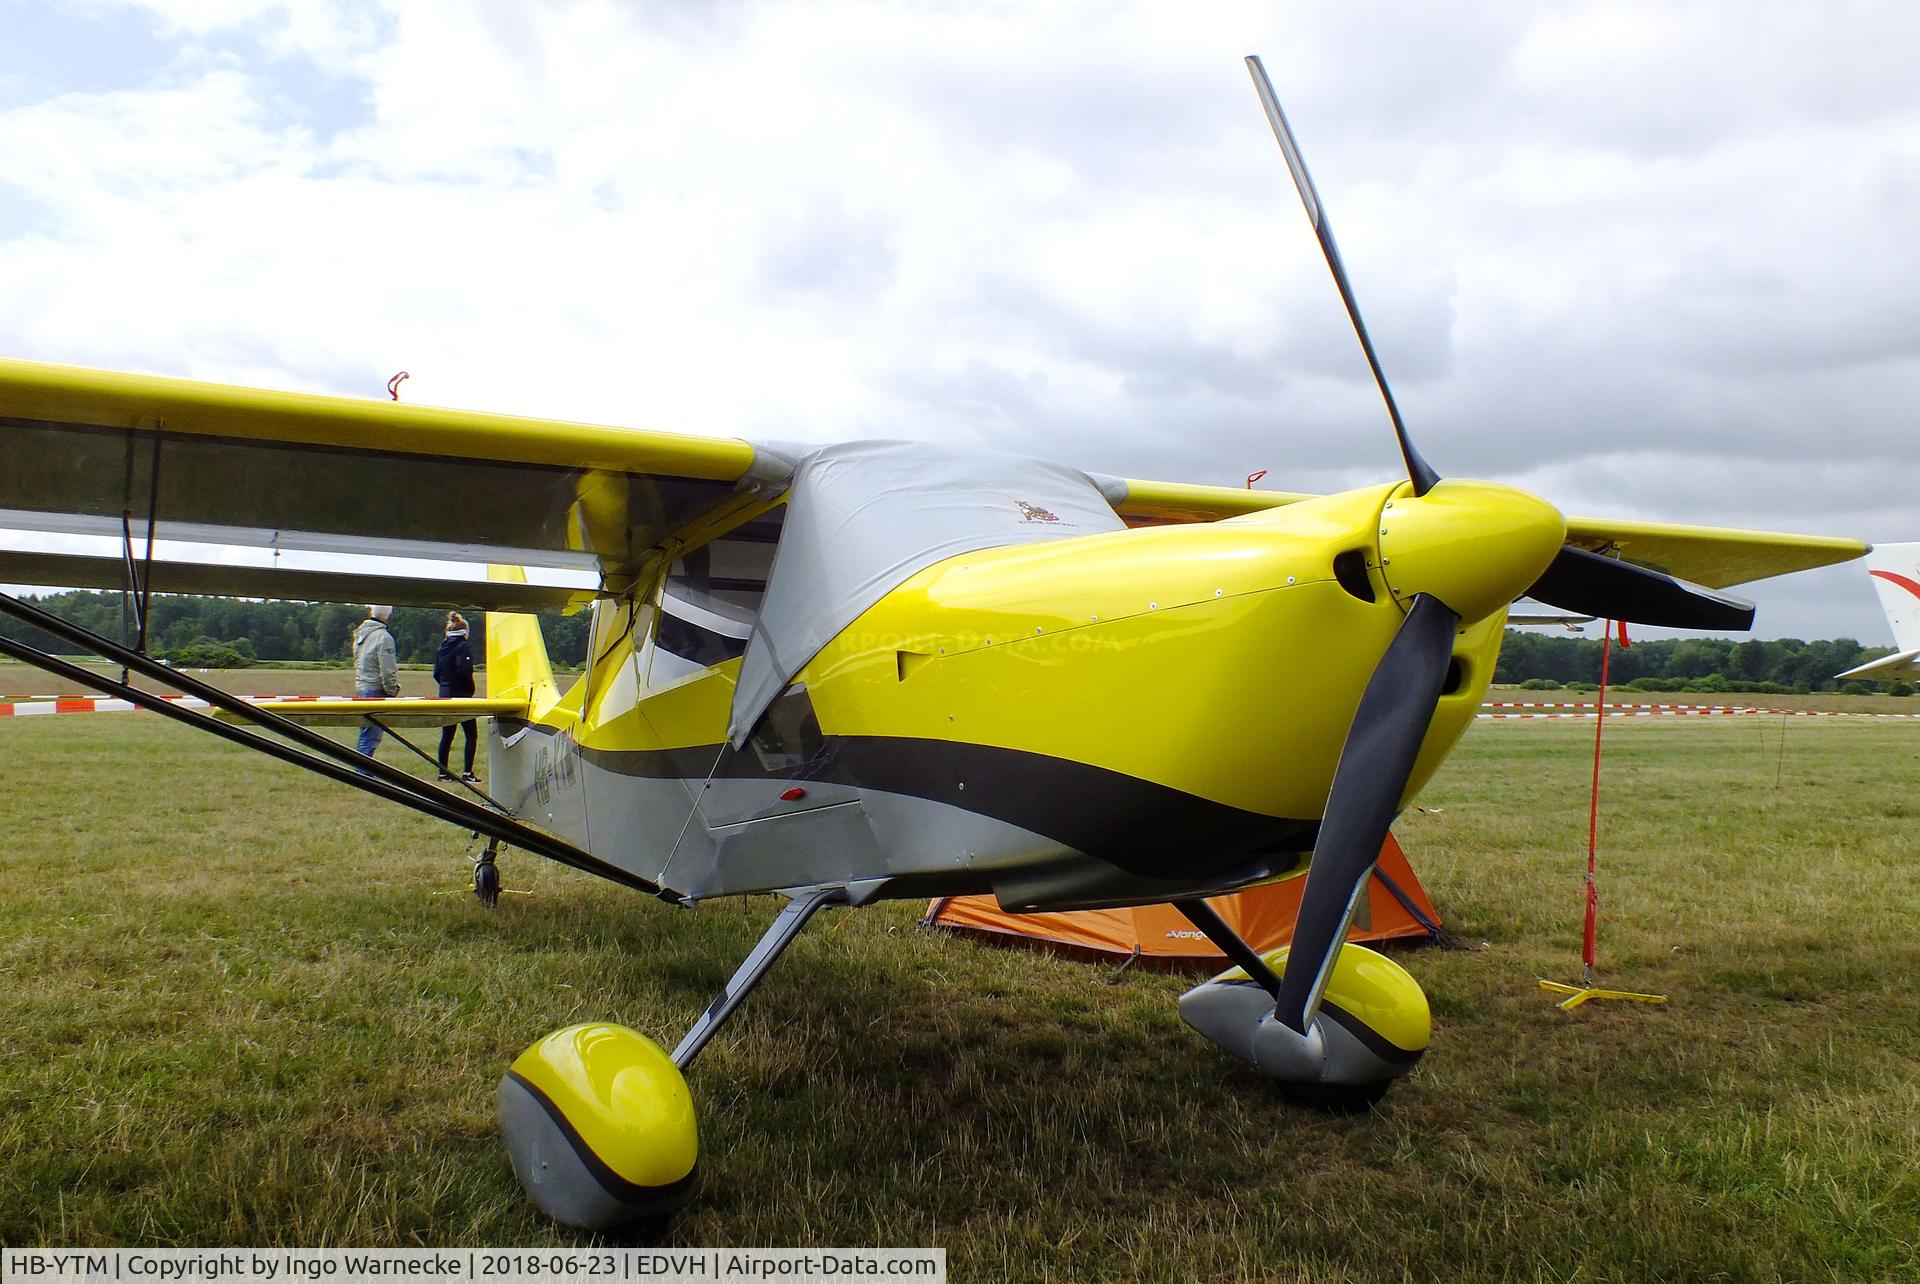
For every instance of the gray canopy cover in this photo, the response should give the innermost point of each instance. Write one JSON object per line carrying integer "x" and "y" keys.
{"x": 863, "y": 517}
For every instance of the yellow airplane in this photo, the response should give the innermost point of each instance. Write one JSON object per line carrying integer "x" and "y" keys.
{"x": 868, "y": 671}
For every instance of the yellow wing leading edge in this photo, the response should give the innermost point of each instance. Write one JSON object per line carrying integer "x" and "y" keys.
{"x": 1715, "y": 557}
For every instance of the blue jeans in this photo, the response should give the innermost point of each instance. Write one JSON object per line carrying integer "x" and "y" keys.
{"x": 369, "y": 734}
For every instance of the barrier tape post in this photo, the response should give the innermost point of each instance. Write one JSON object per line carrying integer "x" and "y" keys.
{"x": 1578, "y": 994}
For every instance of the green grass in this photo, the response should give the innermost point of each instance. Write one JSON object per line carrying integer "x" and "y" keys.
{"x": 245, "y": 1006}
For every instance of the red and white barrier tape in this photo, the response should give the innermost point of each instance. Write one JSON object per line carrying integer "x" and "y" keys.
{"x": 1675, "y": 711}
{"x": 35, "y": 706}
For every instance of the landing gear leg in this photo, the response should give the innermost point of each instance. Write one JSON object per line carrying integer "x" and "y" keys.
{"x": 597, "y": 1118}
{"x": 778, "y": 936}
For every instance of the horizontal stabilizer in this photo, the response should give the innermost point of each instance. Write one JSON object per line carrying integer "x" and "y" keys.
{"x": 210, "y": 579}
{"x": 1888, "y": 668}
{"x": 350, "y": 711}
{"x": 1540, "y": 615}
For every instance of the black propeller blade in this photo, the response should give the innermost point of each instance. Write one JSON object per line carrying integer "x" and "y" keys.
{"x": 1419, "y": 471}
{"x": 1395, "y": 710}
{"x": 1608, "y": 588}
{"x": 1375, "y": 763}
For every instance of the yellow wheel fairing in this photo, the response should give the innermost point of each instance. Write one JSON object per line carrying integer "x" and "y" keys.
{"x": 600, "y": 1126}
{"x": 1382, "y": 995}
{"x": 1372, "y": 989}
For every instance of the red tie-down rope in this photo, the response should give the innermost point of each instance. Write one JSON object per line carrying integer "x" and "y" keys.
{"x": 393, "y": 384}
{"x": 1254, "y": 477}
{"x": 1593, "y": 810}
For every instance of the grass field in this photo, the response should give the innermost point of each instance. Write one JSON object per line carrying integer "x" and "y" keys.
{"x": 246, "y": 1006}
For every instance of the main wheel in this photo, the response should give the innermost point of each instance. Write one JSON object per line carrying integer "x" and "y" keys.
{"x": 1338, "y": 1098}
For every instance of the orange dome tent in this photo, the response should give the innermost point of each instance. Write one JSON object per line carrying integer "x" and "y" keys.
{"x": 1395, "y": 906}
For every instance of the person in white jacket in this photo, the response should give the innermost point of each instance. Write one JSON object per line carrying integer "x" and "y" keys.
{"x": 376, "y": 668}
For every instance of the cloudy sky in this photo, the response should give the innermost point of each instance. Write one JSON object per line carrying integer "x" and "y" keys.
{"x": 1650, "y": 260}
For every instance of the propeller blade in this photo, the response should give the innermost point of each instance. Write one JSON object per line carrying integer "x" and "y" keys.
{"x": 1419, "y": 471}
{"x": 1610, "y": 589}
{"x": 1375, "y": 764}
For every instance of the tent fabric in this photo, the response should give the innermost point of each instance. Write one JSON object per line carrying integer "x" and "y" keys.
{"x": 863, "y": 517}
{"x": 1263, "y": 916}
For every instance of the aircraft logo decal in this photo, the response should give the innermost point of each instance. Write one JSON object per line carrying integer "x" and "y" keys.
{"x": 1893, "y": 577}
{"x": 1034, "y": 513}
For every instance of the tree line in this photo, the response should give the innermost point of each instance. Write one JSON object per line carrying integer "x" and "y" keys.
{"x": 208, "y": 632}
{"x": 218, "y": 632}
{"x": 1777, "y": 665}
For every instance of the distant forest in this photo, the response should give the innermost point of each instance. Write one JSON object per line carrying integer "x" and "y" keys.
{"x": 220, "y": 632}
{"x": 1686, "y": 664}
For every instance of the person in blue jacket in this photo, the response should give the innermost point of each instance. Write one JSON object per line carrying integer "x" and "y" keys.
{"x": 453, "y": 670}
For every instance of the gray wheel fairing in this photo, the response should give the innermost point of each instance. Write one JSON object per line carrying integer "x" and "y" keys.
{"x": 1234, "y": 1014}
{"x": 558, "y": 1178}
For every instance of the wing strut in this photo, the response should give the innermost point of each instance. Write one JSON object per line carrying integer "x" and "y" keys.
{"x": 327, "y": 758}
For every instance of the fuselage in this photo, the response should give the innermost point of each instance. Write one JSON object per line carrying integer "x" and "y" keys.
{"x": 1126, "y": 716}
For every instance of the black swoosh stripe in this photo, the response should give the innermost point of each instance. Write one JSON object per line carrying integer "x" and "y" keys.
{"x": 1371, "y": 1039}
{"x": 1139, "y": 826}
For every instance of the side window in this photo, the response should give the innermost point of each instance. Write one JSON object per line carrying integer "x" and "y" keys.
{"x": 708, "y": 604}
{"x": 788, "y": 737}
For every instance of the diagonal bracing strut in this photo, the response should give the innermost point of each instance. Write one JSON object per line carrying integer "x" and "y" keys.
{"x": 327, "y": 757}
{"x": 786, "y": 925}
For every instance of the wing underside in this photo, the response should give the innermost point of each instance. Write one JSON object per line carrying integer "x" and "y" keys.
{"x": 87, "y": 452}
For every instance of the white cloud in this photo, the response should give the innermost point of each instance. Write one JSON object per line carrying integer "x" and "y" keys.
{"x": 1656, "y": 259}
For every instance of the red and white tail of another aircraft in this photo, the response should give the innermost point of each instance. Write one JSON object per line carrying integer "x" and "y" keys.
{"x": 1895, "y": 569}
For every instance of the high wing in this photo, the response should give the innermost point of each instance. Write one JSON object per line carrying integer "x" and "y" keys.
{"x": 94, "y": 452}
{"x": 1715, "y": 557}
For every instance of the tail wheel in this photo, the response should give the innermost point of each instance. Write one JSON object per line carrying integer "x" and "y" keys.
{"x": 486, "y": 883}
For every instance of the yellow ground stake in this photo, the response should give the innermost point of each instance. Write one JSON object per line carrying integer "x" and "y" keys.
{"x": 1578, "y": 994}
